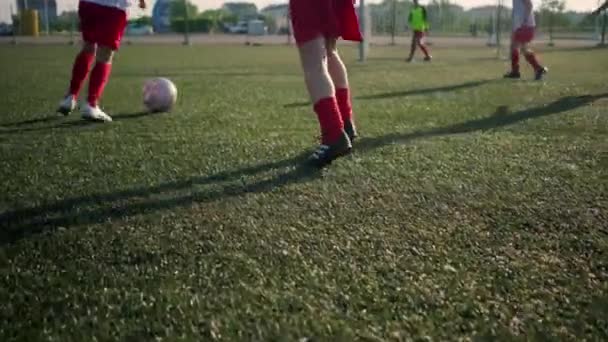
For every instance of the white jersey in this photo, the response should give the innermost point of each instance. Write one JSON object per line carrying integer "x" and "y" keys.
{"x": 522, "y": 16}
{"x": 120, "y": 4}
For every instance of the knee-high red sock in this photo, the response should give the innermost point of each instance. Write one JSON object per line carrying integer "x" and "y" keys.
{"x": 344, "y": 104}
{"x": 531, "y": 58}
{"x": 99, "y": 79}
{"x": 515, "y": 60}
{"x": 330, "y": 120}
{"x": 80, "y": 70}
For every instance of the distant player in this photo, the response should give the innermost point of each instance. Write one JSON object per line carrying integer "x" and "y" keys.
{"x": 102, "y": 23}
{"x": 419, "y": 24}
{"x": 524, "y": 25}
{"x": 317, "y": 25}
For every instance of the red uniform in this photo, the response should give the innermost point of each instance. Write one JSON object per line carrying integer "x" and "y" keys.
{"x": 327, "y": 18}
{"x": 103, "y": 25}
{"x": 523, "y": 35}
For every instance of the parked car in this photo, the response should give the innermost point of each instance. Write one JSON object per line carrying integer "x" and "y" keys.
{"x": 239, "y": 28}
{"x": 139, "y": 30}
{"x": 6, "y": 30}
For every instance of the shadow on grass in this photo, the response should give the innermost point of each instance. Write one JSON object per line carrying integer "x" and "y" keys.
{"x": 33, "y": 121}
{"x": 63, "y": 125}
{"x": 425, "y": 91}
{"x": 406, "y": 93}
{"x": 21, "y": 223}
{"x": 137, "y": 115}
{"x": 67, "y": 125}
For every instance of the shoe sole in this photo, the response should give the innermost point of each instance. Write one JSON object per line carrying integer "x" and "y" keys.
{"x": 93, "y": 119}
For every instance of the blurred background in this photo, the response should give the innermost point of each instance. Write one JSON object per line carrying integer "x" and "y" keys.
{"x": 465, "y": 21}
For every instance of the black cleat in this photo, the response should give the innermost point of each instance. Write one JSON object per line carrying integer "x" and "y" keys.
{"x": 428, "y": 58}
{"x": 351, "y": 130}
{"x": 326, "y": 154}
{"x": 540, "y": 73}
{"x": 513, "y": 75}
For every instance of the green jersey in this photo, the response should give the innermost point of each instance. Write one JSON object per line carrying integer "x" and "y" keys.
{"x": 417, "y": 19}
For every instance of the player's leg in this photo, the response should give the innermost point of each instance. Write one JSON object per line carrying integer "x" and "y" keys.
{"x": 109, "y": 35}
{"x": 422, "y": 44}
{"x": 515, "y": 47}
{"x": 412, "y": 47}
{"x": 532, "y": 59}
{"x": 339, "y": 75}
{"x": 311, "y": 22}
{"x": 334, "y": 141}
{"x": 100, "y": 74}
{"x": 84, "y": 59}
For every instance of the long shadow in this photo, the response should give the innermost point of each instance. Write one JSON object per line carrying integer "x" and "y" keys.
{"x": 33, "y": 121}
{"x": 425, "y": 91}
{"x": 136, "y": 115}
{"x": 69, "y": 124}
{"x": 406, "y": 93}
{"x": 64, "y": 125}
{"x": 20, "y": 223}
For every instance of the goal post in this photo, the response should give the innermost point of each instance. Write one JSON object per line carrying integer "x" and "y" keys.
{"x": 366, "y": 30}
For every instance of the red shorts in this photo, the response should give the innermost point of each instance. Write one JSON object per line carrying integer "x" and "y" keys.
{"x": 523, "y": 35}
{"x": 419, "y": 35}
{"x": 102, "y": 25}
{"x": 324, "y": 18}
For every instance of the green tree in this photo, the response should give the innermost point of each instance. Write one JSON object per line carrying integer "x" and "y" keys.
{"x": 178, "y": 10}
{"x": 553, "y": 11}
{"x": 217, "y": 18}
{"x": 243, "y": 10}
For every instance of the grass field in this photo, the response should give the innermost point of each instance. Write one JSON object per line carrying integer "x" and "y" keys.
{"x": 472, "y": 207}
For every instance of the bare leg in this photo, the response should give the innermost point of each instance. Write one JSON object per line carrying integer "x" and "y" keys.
{"x": 313, "y": 56}
{"x": 339, "y": 76}
{"x": 336, "y": 67}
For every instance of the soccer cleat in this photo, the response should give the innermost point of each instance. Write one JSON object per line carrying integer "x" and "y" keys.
{"x": 513, "y": 74}
{"x": 67, "y": 105}
{"x": 540, "y": 73}
{"x": 351, "y": 130}
{"x": 91, "y": 113}
{"x": 409, "y": 60}
{"x": 326, "y": 154}
{"x": 428, "y": 58}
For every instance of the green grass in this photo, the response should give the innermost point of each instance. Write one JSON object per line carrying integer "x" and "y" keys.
{"x": 472, "y": 207}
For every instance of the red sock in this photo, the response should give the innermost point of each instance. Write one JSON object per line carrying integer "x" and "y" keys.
{"x": 330, "y": 120}
{"x": 531, "y": 58}
{"x": 515, "y": 60}
{"x": 344, "y": 103}
{"x": 80, "y": 70}
{"x": 98, "y": 80}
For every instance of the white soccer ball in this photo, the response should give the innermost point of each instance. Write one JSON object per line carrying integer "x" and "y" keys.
{"x": 160, "y": 95}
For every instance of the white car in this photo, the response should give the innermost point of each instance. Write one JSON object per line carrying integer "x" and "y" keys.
{"x": 139, "y": 30}
{"x": 241, "y": 27}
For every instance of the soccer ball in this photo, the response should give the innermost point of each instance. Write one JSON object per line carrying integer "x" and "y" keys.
{"x": 160, "y": 95}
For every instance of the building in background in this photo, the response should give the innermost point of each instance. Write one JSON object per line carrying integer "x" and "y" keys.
{"x": 280, "y": 16}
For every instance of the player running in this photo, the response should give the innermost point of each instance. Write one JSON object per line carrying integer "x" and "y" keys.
{"x": 523, "y": 34}
{"x": 317, "y": 24}
{"x": 102, "y": 23}
{"x": 419, "y": 24}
